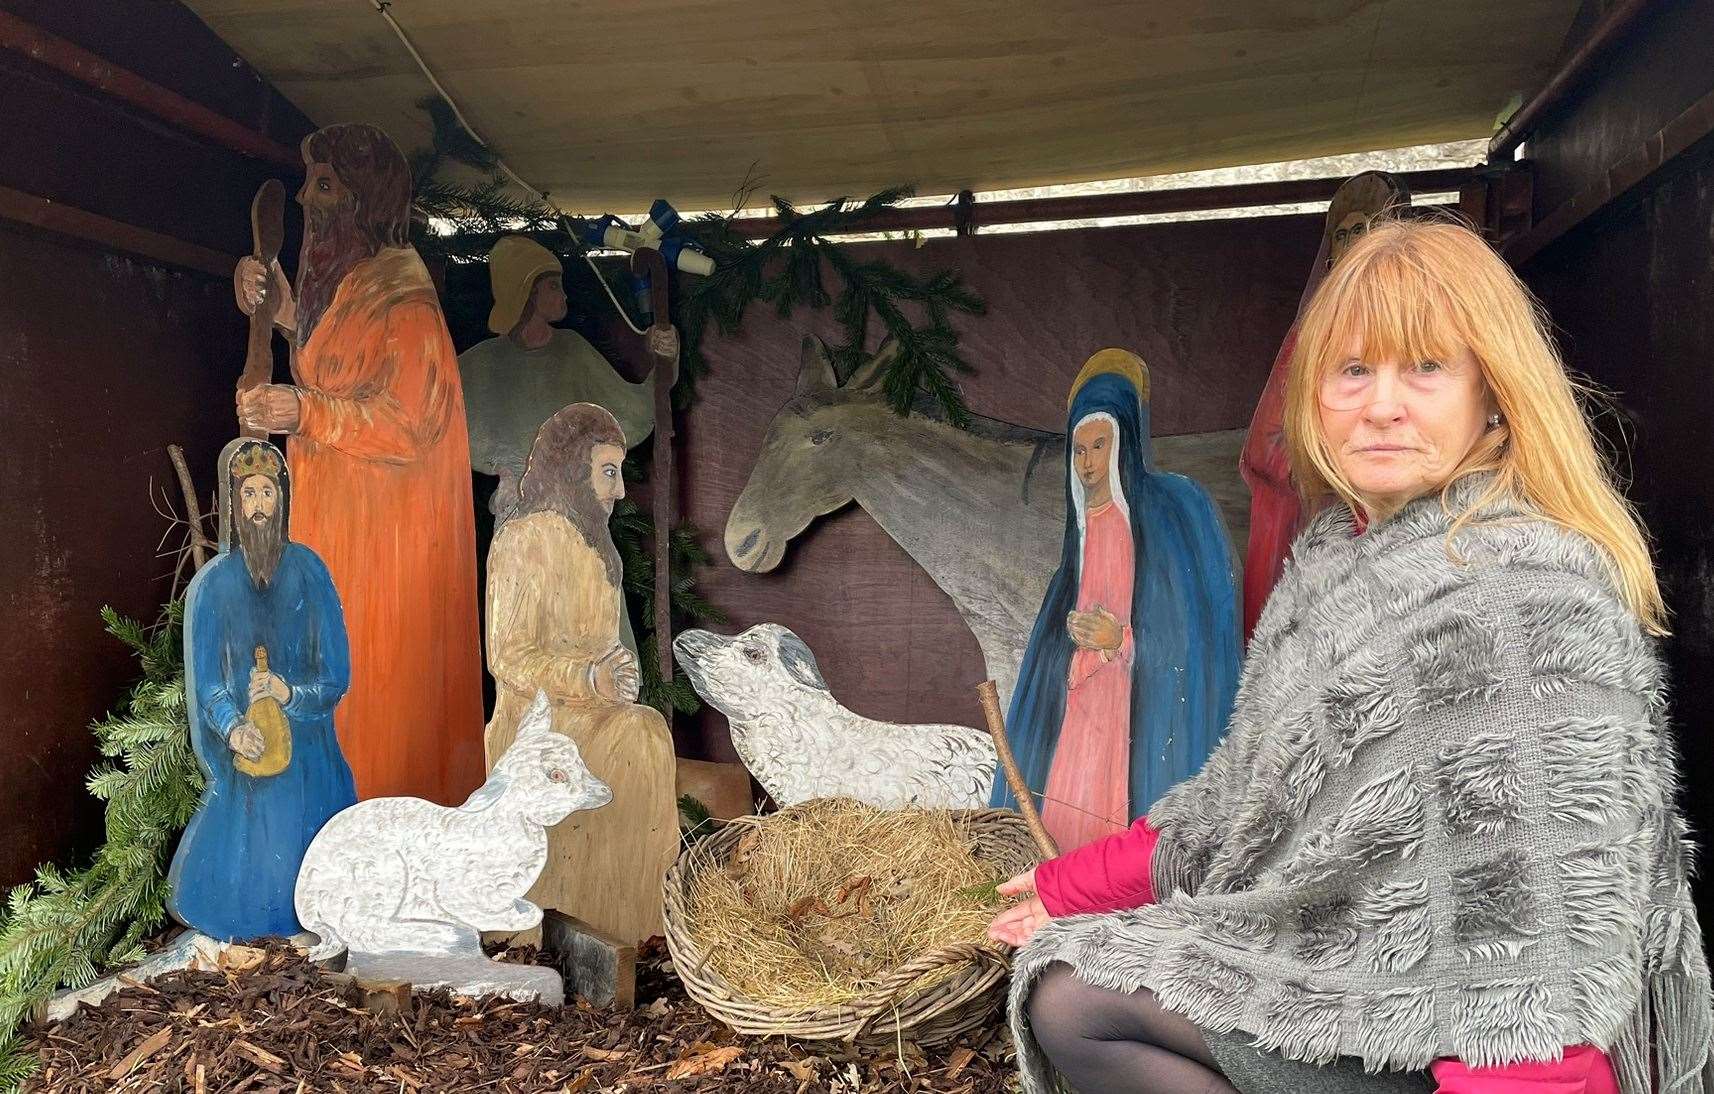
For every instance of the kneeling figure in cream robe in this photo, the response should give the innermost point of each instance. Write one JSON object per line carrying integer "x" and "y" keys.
{"x": 554, "y": 606}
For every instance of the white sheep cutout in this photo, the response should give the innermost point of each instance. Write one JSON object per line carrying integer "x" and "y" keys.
{"x": 801, "y": 743}
{"x": 403, "y": 877}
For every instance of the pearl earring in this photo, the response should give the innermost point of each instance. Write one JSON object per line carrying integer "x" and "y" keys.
{"x": 1493, "y": 421}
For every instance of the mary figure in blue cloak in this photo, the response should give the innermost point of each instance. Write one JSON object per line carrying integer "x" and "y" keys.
{"x": 266, "y": 662}
{"x": 1128, "y": 678}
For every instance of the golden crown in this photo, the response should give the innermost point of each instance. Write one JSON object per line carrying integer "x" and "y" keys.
{"x": 257, "y": 459}
{"x": 1120, "y": 361}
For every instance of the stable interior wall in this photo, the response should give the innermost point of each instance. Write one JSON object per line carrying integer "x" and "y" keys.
{"x": 105, "y": 359}
{"x": 1631, "y": 294}
{"x": 1205, "y": 303}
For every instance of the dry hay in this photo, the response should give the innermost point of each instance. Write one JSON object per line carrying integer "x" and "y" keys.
{"x": 821, "y": 901}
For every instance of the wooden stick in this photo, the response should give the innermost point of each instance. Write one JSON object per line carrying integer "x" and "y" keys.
{"x": 193, "y": 513}
{"x": 990, "y": 696}
{"x": 648, "y": 259}
{"x": 267, "y": 232}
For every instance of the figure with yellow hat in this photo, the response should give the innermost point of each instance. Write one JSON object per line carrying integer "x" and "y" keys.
{"x": 517, "y": 381}
{"x": 1130, "y": 670}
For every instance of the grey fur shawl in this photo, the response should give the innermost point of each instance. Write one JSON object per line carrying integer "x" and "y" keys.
{"x": 1442, "y": 821}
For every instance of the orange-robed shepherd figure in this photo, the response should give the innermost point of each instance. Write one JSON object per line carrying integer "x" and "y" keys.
{"x": 377, "y": 445}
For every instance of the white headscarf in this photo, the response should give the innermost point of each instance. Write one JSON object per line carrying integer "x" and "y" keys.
{"x": 1077, "y": 491}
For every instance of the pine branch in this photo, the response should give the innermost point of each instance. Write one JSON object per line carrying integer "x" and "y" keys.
{"x": 633, "y": 536}
{"x": 63, "y": 928}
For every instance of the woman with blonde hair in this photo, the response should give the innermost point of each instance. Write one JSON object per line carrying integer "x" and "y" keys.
{"x": 1439, "y": 847}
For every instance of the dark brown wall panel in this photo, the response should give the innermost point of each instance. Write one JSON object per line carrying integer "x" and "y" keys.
{"x": 1631, "y": 292}
{"x": 1657, "y": 69}
{"x": 105, "y": 359}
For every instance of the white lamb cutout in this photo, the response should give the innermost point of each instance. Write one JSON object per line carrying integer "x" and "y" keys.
{"x": 405, "y": 884}
{"x": 800, "y": 743}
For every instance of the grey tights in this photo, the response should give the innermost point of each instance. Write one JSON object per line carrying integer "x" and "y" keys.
{"x": 1110, "y": 1042}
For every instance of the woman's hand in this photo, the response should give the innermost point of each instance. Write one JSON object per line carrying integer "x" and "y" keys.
{"x": 1097, "y": 629}
{"x": 1018, "y": 924}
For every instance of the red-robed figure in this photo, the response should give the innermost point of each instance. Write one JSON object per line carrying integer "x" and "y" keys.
{"x": 1276, "y": 510}
{"x": 381, "y": 460}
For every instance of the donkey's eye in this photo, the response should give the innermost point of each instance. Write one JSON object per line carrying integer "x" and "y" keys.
{"x": 558, "y": 776}
{"x": 821, "y": 436}
{"x": 752, "y": 653}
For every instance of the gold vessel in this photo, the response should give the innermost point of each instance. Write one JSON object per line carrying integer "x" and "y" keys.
{"x": 266, "y": 715}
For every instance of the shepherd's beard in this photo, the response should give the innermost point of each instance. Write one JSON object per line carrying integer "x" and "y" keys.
{"x": 333, "y": 244}
{"x": 261, "y": 544}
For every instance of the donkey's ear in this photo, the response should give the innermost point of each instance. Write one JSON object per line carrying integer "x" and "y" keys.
{"x": 816, "y": 375}
{"x": 871, "y": 374}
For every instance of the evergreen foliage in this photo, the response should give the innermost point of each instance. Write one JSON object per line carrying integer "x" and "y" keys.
{"x": 788, "y": 269}
{"x": 64, "y": 928}
{"x": 695, "y": 822}
{"x": 633, "y": 536}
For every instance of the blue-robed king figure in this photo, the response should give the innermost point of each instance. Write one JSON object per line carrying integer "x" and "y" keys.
{"x": 1131, "y": 666}
{"x": 266, "y": 662}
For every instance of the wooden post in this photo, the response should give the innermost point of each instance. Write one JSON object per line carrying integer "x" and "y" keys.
{"x": 990, "y": 696}
{"x": 648, "y": 260}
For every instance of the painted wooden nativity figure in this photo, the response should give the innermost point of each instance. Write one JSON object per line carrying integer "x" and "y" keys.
{"x": 1133, "y": 661}
{"x": 554, "y": 607}
{"x": 407, "y": 887}
{"x": 266, "y": 664}
{"x": 375, "y": 418}
{"x": 801, "y": 743}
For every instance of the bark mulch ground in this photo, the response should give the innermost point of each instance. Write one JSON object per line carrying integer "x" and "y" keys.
{"x": 281, "y": 1026}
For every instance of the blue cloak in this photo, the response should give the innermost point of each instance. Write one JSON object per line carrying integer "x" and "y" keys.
{"x": 1184, "y": 618}
{"x": 236, "y": 867}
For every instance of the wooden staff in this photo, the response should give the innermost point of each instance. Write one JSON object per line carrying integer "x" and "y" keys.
{"x": 267, "y": 235}
{"x": 649, "y": 260}
{"x": 990, "y": 696}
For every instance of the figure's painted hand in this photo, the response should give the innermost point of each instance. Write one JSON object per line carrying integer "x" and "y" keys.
{"x": 1018, "y": 924}
{"x": 1098, "y": 630}
{"x": 273, "y": 408}
{"x": 268, "y": 685}
{"x": 251, "y": 282}
{"x": 617, "y": 678}
{"x": 246, "y": 740}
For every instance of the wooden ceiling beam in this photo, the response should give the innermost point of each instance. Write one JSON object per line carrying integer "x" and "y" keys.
{"x": 28, "y": 40}
{"x": 1129, "y": 203}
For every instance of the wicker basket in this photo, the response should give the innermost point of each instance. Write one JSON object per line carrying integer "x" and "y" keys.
{"x": 896, "y": 1008}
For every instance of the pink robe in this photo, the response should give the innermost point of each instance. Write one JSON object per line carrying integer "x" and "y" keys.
{"x": 1089, "y": 783}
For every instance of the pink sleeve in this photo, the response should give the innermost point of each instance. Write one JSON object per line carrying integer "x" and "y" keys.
{"x": 1105, "y": 876}
{"x": 1584, "y": 1070}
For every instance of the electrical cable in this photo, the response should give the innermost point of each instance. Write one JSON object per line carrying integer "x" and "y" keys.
{"x": 381, "y": 7}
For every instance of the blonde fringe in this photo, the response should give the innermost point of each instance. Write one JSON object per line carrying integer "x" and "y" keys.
{"x": 1416, "y": 290}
